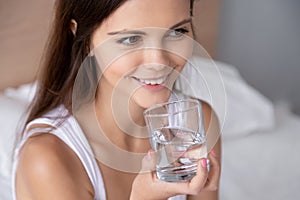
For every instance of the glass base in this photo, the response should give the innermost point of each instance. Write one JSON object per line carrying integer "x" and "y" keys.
{"x": 176, "y": 177}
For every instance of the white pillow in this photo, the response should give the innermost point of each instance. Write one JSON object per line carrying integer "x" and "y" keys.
{"x": 13, "y": 104}
{"x": 240, "y": 108}
{"x": 23, "y": 93}
{"x": 11, "y": 111}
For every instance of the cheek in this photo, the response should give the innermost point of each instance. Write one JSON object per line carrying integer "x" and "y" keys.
{"x": 121, "y": 67}
{"x": 179, "y": 62}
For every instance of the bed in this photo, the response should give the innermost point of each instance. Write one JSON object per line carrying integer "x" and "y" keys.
{"x": 260, "y": 142}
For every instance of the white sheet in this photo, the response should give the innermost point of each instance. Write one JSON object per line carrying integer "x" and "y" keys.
{"x": 264, "y": 165}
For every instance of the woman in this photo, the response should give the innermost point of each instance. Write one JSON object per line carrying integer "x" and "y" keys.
{"x": 75, "y": 162}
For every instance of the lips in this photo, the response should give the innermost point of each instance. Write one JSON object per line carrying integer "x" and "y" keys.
{"x": 151, "y": 79}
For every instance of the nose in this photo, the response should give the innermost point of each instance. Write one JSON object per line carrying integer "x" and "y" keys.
{"x": 156, "y": 59}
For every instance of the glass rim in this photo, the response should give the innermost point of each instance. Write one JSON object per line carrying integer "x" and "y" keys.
{"x": 147, "y": 114}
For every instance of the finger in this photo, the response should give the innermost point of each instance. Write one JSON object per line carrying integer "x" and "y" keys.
{"x": 213, "y": 175}
{"x": 197, "y": 183}
{"x": 148, "y": 162}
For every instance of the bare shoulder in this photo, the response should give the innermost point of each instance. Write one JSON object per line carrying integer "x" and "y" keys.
{"x": 49, "y": 169}
{"x": 210, "y": 118}
{"x": 206, "y": 108}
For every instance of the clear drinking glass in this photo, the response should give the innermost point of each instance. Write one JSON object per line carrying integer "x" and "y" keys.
{"x": 177, "y": 135}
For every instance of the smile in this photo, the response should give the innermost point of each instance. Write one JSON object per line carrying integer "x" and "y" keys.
{"x": 154, "y": 84}
{"x": 158, "y": 81}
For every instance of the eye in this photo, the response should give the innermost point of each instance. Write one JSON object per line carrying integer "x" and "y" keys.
{"x": 177, "y": 33}
{"x": 130, "y": 41}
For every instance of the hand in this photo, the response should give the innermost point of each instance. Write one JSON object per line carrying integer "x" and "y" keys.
{"x": 147, "y": 186}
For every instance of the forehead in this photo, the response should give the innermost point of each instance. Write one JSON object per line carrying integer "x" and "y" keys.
{"x": 135, "y": 14}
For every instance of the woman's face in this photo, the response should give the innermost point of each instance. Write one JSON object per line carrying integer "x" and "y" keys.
{"x": 142, "y": 47}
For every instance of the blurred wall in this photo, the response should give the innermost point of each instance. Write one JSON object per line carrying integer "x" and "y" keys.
{"x": 23, "y": 31}
{"x": 206, "y": 21}
{"x": 262, "y": 39}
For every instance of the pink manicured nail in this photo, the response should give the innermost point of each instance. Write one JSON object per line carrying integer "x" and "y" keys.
{"x": 149, "y": 155}
{"x": 213, "y": 152}
{"x": 204, "y": 163}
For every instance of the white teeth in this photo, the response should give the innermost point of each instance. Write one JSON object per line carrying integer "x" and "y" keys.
{"x": 154, "y": 81}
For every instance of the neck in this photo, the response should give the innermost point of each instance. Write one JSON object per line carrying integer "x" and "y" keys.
{"x": 121, "y": 120}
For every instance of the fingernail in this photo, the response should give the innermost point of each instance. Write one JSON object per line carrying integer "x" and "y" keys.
{"x": 213, "y": 152}
{"x": 204, "y": 163}
{"x": 149, "y": 155}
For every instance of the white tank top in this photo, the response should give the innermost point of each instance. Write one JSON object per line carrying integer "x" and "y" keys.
{"x": 71, "y": 134}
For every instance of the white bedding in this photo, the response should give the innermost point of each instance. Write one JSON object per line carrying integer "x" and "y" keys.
{"x": 264, "y": 165}
{"x": 257, "y": 165}
{"x": 13, "y": 104}
{"x": 10, "y": 112}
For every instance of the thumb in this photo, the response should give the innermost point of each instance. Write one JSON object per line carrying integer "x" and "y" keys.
{"x": 149, "y": 161}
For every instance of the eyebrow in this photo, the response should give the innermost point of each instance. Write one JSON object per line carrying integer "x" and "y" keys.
{"x": 189, "y": 20}
{"x": 136, "y": 32}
